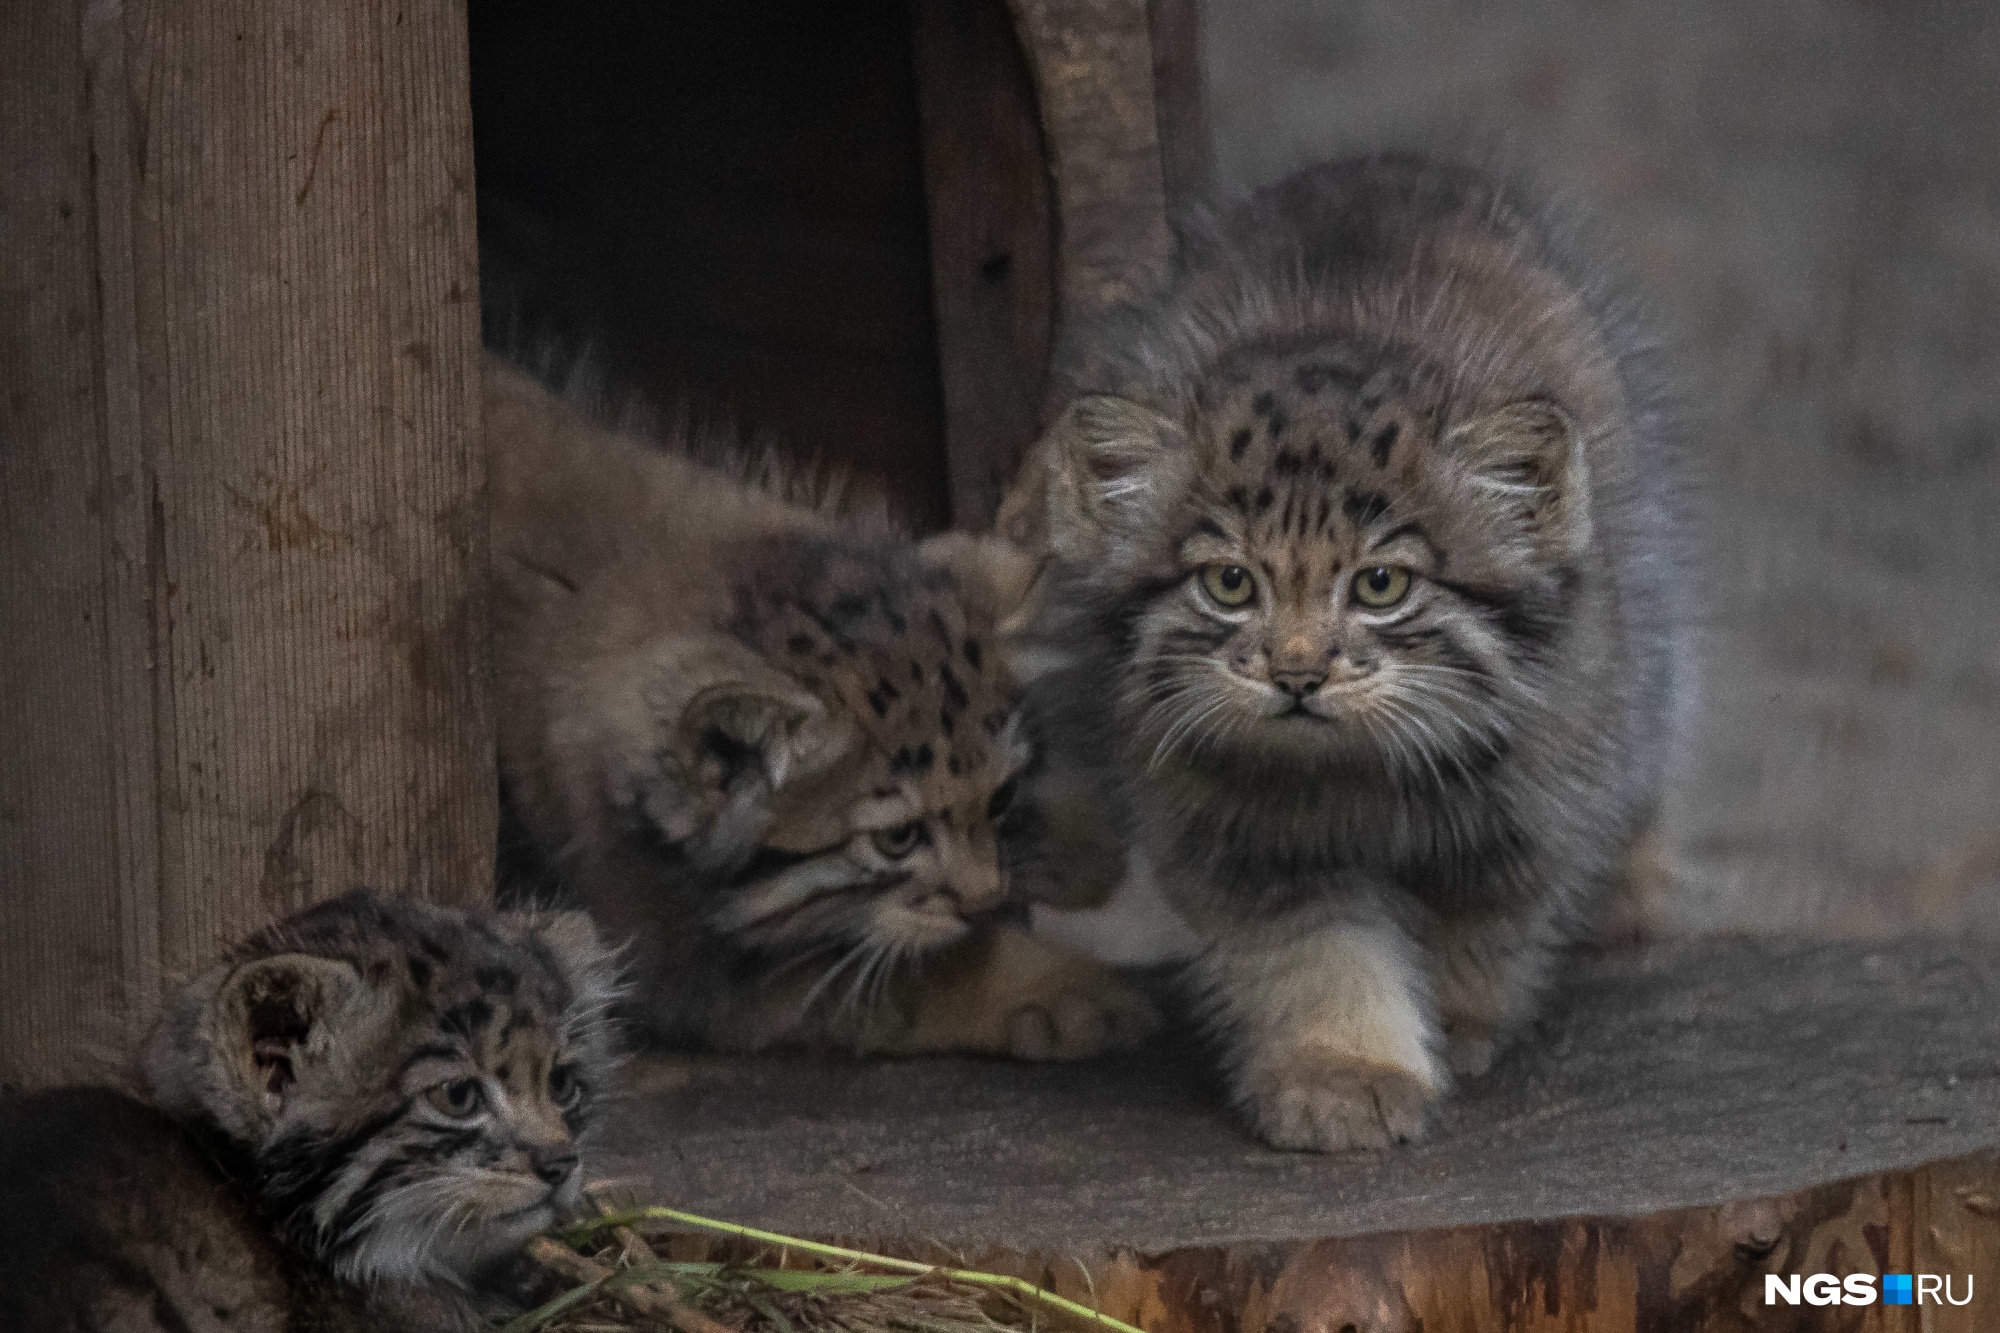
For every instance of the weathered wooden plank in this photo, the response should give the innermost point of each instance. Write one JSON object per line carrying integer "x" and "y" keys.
{"x": 1092, "y": 64}
{"x": 243, "y": 601}
{"x": 1180, "y": 96}
{"x": 1683, "y": 1124}
{"x": 992, "y": 242}
{"x": 61, "y": 950}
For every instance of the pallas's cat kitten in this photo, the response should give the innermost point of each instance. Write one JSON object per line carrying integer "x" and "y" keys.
{"x": 1365, "y": 557}
{"x": 768, "y": 743}
{"x": 363, "y": 1105}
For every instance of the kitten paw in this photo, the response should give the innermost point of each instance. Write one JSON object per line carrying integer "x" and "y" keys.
{"x": 1322, "y": 1105}
{"x": 1107, "y": 1015}
{"x": 1013, "y": 994}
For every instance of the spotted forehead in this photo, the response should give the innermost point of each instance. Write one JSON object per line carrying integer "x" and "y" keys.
{"x": 924, "y": 681}
{"x": 514, "y": 1040}
{"x": 496, "y": 1001}
{"x": 1316, "y": 444}
{"x": 1327, "y": 413}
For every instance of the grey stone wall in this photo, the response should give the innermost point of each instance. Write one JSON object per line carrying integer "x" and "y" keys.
{"x": 1812, "y": 192}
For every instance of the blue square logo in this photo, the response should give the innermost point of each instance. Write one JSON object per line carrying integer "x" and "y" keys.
{"x": 1897, "y": 1289}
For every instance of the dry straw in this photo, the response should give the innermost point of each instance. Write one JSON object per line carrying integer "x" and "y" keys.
{"x": 614, "y": 1281}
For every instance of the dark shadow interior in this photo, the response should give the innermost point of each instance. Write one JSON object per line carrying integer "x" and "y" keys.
{"x": 723, "y": 202}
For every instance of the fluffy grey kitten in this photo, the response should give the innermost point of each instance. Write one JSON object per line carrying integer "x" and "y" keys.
{"x": 1364, "y": 612}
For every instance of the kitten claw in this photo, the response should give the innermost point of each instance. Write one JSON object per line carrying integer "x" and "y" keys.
{"x": 1338, "y": 1108}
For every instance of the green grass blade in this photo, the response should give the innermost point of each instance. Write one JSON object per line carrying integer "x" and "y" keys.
{"x": 824, "y": 1284}
{"x": 998, "y": 1281}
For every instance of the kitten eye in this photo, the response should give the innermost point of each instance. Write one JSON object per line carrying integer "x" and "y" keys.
{"x": 461, "y": 1099}
{"x": 1381, "y": 587}
{"x": 897, "y": 843}
{"x": 563, "y": 1086}
{"x": 1002, "y": 798}
{"x": 1229, "y": 585}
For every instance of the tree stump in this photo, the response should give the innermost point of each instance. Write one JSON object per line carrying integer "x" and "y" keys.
{"x": 1681, "y": 1126}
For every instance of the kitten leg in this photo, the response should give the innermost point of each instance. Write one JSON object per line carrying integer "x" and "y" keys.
{"x": 1013, "y": 994}
{"x": 1334, "y": 1039}
{"x": 1000, "y": 992}
{"x": 1488, "y": 971}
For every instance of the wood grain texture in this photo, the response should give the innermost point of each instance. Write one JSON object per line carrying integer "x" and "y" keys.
{"x": 1688, "y": 1270}
{"x": 1180, "y": 97}
{"x": 1092, "y": 64}
{"x": 242, "y": 605}
{"x": 60, "y": 798}
{"x": 992, "y": 242}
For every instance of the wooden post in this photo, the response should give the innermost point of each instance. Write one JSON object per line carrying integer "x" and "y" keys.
{"x": 1180, "y": 96}
{"x": 242, "y": 534}
{"x": 1044, "y": 168}
{"x": 993, "y": 240}
{"x": 1092, "y": 62}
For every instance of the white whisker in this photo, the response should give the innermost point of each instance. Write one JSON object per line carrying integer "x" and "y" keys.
{"x": 853, "y": 954}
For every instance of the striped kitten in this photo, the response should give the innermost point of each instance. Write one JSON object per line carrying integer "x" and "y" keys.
{"x": 356, "y": 1110}
{"x": 403, "y": 1088}
{"x": 1365, "y": 610}
{"x": 771, "y": 744}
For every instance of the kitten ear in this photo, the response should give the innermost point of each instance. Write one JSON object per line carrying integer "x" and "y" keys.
{"x": 779, "y": 730}
{"x": 586, "y": 962}
{"x": 995, "y": 577}
{"x": 570, "y": 936}
{"x": 273, "y": 1019}
{"x": 1528, "y": 457}
{"x": 1113, "y": 464}
{"x": 744, "y": 739}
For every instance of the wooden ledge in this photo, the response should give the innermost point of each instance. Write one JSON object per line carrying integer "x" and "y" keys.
{"x": 1685, "y": 1122}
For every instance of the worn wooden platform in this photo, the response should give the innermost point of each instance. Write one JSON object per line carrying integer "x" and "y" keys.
{"x": 1684, "y": 1123}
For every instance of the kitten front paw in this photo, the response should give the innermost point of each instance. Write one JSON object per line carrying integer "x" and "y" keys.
{"x": 1315, "y": 1102}
{"x": 1013, "y": 994}
{"x": 1101, "y": 1013}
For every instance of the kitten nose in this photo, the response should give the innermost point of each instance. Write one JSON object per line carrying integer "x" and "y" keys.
{"x": 1299, "y": 681}
{"x": 555, "y": 1167}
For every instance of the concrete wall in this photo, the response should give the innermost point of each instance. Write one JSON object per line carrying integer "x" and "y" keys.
{"x": 1812, "y": 191}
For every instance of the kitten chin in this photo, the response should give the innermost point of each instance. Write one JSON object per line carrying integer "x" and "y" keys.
{"x": 1364, "y": 612}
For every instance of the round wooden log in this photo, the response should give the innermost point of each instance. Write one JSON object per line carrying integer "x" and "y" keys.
{"x": 242, "y": 548}
{"x": 1680, "y": 1127}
